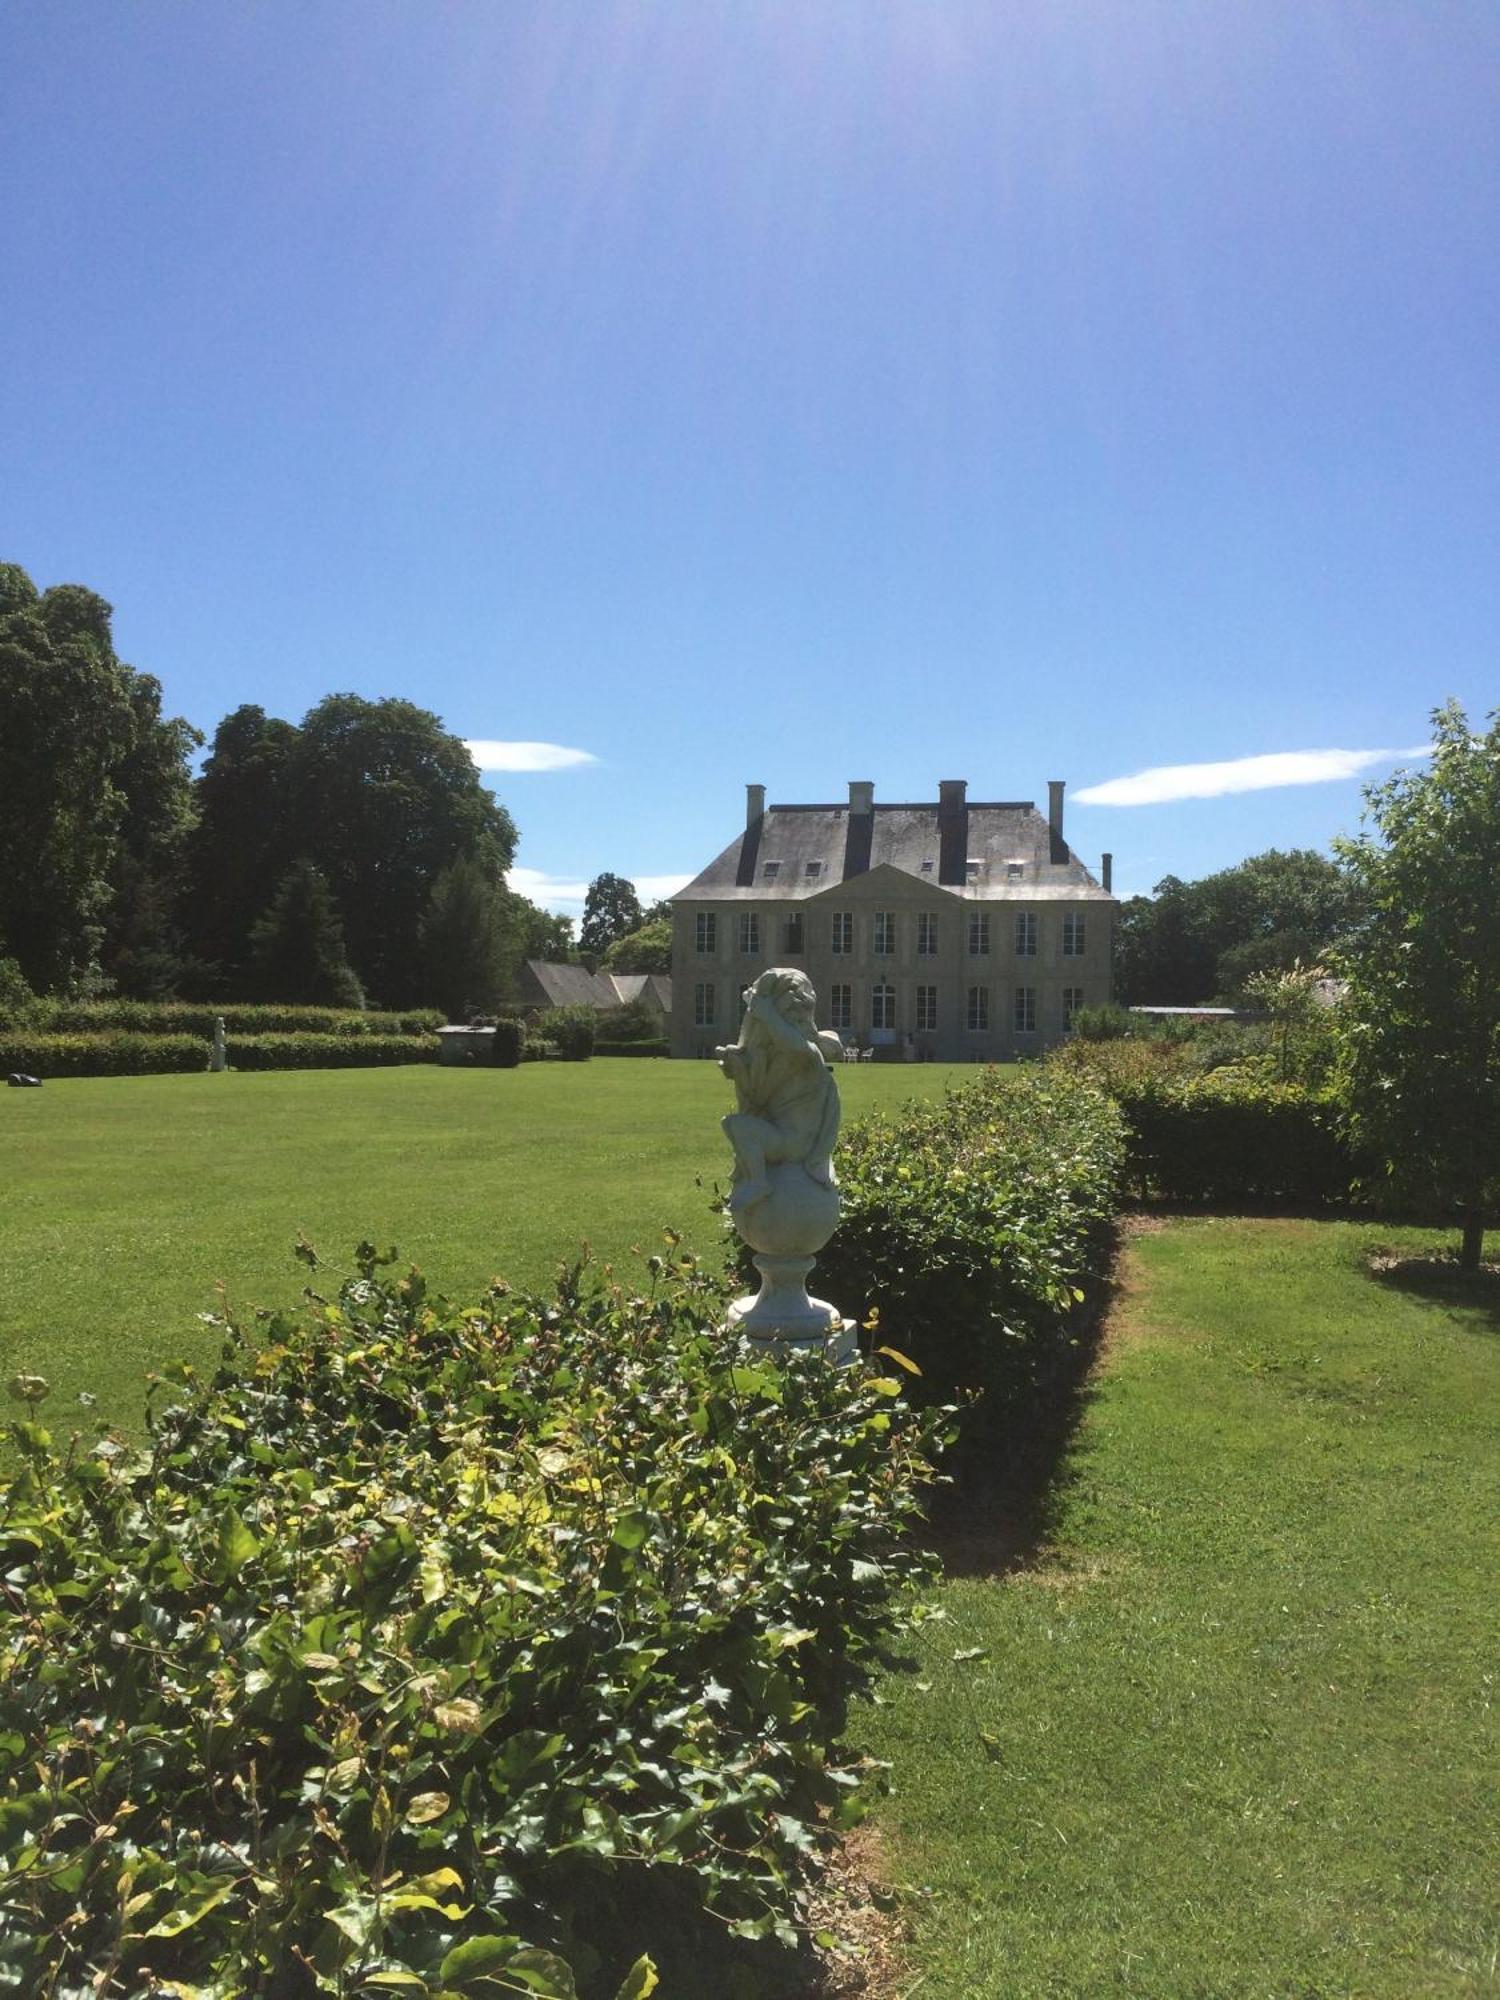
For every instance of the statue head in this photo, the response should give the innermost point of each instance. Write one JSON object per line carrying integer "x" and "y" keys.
{"x": 791, "y": 993}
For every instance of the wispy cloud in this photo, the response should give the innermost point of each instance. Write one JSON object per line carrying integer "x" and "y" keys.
{"x": 1164, "y": 783}
{"x": 491, "y": 755}
{"x": 556, "y": 892}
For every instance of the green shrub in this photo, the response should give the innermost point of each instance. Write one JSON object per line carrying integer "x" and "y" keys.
{"x": 18, "y": 1004}
{"x": 610, "y": 1047}
{"x": 508, "y": 1044}
{"x": 1109, "y": 1023}
{"x": 329, "y": 1051}
{"x": 423, "y": 1643}
{"x": 569, "y": 1030}
{"x": 48, "y": 1055}
{"x": 176, "y": 1017}
{"x": 973, "y": 1225}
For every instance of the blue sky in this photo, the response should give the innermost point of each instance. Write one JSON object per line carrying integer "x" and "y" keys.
{"x": 777, "y": 391}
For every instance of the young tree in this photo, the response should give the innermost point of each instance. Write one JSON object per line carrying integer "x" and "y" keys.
{"x": 610, "y": 910}
{"x": 297, "y": 947}
{"x": 1419, "y": 1027}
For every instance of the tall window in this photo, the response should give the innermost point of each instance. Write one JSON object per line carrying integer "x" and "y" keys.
{"x": 979, "y": 1010}
{"x": 840, "y": 1006}
{"x": 842, "y": 939}
{"x": 1072, "y": 1001}
{"x": 791, "y": 936}
{"x": 883, "y": 1005}
{"x": 1073, "y": 934}
{"x": 885, "y": 933}
{"x": 926, "y": 1007}
{"x": 927, "y": 935}
{"x": 1025, "y": 1010}
{"x": 979, "y": 934}
{"x": 705, "y": 1003}
{"x": 1026, "y": 933}
{"x": 749, "y": 933}
{"x": 707, "y": 933}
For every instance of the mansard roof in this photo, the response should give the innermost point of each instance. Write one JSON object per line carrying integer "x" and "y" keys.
{"x": 1002, "y": 851}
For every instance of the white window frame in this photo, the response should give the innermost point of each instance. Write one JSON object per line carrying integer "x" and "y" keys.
{"x": 1073, "y": 934}
{"x": 750, "y": 933}
{"x": 706, "y": 933}
{"x": 705, "y": 1003}
{"x": 1072, "y": 1000}
{"x": 979, "y": 934}
{"x": 927, "y": 934}
{"x": 882, "y": 1004}
{"x": 885, "y": 934}
{"x": 926, "y": 1016}
{"x": 977, "y": 1010}
{"x": 1028, "y": 934}
{"x": 841, "y": 933}
{"x": 1023, "y": 1010}
{"x": 841, "y": 1005}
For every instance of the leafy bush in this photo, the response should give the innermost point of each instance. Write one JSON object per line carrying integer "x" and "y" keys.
{"x": 1231, "y": 1134}
{"x": 568, "y": 1030}
{"x": 509, "y": 1040}
{"x": 973, "y": 1224}
{"x": 180, "y": 1017}
{"x": 17, "y": 1001}
{"x": 47, "y": 1055}
{"x": 329, "y": 1051}
{"x": 428, "y": 1648}
{"x": 632, "y": 1022}
{"x": 610, "y": 1047}
{"x": 1104, "y": 1024}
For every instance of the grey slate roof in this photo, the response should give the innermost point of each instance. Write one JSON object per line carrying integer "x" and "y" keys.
{"x": 815, "y": 848}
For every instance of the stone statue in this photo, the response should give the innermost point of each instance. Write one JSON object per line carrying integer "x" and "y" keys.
{"x": 218, "y": 1055}
{"x": 784, "y": 1198}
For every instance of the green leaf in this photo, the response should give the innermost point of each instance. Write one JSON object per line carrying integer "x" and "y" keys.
{"x": 543, "y": 1972}
{"x": 197, "y": 1906}
{"x": 631, "y": 1529}
{"x": 641, "y": 1980}
{"x": 426, "y": 1807}
{"x": 904, "y": 1360}
{"x": 236, "y": 1544}
{"x": 477, "y": 1956}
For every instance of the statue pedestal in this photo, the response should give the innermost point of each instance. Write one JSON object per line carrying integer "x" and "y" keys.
{"x": 782, "y": 1315}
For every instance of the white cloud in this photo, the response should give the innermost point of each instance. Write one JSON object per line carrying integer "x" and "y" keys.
{"x": 556, "y": 892}
{"x": 491, "y": 755}
{"x": 1164, "y": 783}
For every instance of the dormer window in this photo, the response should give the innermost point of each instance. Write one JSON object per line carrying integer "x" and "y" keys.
{"x": 927, "y": 866}
{"x": 812, "y": 870}
{"x": 972, "y": 867}
{"x": 770, "y": 870}
{"x": 1014, "y": 870}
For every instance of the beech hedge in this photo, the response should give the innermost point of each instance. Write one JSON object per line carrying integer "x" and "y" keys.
{"x": 174, "y": 1017}
{"x": 973, "y": 1225}
{"x": 1227, "y": 1135}
{"x": 116, "y": 1054}
{"x": 329, "y": 1051}
{"x": 444, "y": 1649}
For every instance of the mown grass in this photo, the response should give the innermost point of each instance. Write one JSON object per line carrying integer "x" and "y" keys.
{"x": 1234, "y": 1731}
{"x": 123, "y": 1201}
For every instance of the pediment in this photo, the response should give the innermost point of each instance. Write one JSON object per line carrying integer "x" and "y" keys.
{"x": 881, "y": 881}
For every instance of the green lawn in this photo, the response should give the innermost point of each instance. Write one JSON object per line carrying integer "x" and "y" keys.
{"x": 125, "y": 1199}
{"x": 1235, "y": 1733}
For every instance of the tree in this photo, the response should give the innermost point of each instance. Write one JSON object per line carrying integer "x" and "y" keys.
{"x": 93, "y": 785}
{"x": 1419, "y": 1027}
{"x": 297, "y": 947}
{"x": 611, "y": 910}
{"x": 241, "y": 845}
{"x": 468, "y": 946}
{"x": 541, "y": 933}
{"x": 1195, "y": 941}
{"x": 647, "y": 950}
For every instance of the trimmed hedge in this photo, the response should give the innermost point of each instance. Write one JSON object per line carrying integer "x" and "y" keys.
{"x": 656, "y": 1047}
{"x": 430, "y": 1649}
{"x": 174, "y": 1017}
{"x": 1228, "y": 1135}
{"x": 508, "y": 1044}
{"x": 50, "y": 1056}
{"x": 329, "y": 1051}
{"x": 972, "y": 1226}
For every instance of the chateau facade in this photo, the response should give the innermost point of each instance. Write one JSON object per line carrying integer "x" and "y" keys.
{"x": 951, "y": 932}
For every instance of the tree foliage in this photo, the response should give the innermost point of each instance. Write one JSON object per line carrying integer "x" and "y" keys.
{"x": 1420, "y": 1024}
{"x": 611, "y": 910}
{"x": 468, "y": 946}
{"x": 94, "y": 792}
{"x": 297, "y": 947}
{"x": 1192, "y": 942}
{"x": 647, "y": 950}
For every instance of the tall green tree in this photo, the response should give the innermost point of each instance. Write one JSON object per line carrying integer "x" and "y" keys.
{"x": 93, "y": 787}
{"x": 1419, "y": 1027}
{"x": 1194, "y": 942}
{"x": 469, "y": 946}
{"x": 297, "y": 947}
{"x": 611, "y": 910}
{"x": 241, "y": 846}
{"x": 648, "y": 949}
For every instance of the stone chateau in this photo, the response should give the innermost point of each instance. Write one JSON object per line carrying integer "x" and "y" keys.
{"x": 960, "y": 931}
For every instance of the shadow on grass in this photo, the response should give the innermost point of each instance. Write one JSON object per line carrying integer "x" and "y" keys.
{"x": 1440, "y": 1281}
{"x": 1008, "y": 1470}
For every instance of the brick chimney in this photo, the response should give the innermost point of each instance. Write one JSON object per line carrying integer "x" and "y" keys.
{"x": 755, "y": 804}
{"x": 1107, "y": 871}
{"x": 755, "y": 813}
{"x": 861, "y": 796}
{"x": 953, "y": 831}
{"x": 1055, "y": 819}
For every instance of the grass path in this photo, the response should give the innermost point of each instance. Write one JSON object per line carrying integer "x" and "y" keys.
{"x": 1235, "y": 1734}
{"x": 123, "y": 1200}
